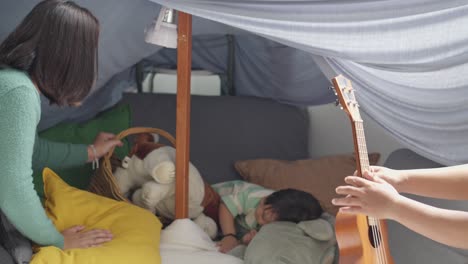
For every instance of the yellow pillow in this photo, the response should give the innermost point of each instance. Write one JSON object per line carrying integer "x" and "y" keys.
{"x": 136, "y": 231}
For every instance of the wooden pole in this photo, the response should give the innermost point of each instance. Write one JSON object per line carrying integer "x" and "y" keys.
{"x": 184, "y": 66}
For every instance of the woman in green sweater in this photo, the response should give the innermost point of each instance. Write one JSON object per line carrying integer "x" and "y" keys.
{"x": 52, "y": 52}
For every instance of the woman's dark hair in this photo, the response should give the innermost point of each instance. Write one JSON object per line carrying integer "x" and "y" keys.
{"x": 294, "y": 205}
{"x": 57, "y": 45}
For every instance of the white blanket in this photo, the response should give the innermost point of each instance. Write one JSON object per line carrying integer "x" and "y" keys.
{"x": 184, "y": 242}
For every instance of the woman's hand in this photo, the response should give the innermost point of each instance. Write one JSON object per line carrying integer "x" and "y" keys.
{"x": 370, "y": 195}
{"x": 103, "y": 143}
{"x": 227, "y": 243}
{"x": 394, "y": 177}
{"x": 75, "y": 238}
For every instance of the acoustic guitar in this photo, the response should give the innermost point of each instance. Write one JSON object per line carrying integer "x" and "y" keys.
{"x": 361, "y": 239}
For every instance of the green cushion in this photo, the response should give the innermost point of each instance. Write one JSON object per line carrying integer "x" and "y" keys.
{"x": 113, "y": 121}
{"x": 287, "y": 243}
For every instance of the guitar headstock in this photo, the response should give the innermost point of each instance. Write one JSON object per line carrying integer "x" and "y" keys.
{"x": 345, "y": 93}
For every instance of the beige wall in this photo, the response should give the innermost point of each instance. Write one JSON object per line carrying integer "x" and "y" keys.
{"x": 330, "y": 133}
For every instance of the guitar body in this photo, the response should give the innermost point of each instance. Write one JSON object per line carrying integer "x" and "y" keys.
{"x": 361, "y": 239}
{"x": 355, "y": 241}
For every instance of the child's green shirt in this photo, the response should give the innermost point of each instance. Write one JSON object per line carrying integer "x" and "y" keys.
{"x": 241, "y": 199}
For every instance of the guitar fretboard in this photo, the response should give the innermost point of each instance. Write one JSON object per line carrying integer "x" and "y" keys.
{"x": 361, "y": 147}
{"x": 361, "y": 151}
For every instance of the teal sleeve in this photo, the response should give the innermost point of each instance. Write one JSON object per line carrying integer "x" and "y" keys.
{"x": 229, "y": 201}
{"x": 19, "y": 111}
{"x": 58, "y": 155}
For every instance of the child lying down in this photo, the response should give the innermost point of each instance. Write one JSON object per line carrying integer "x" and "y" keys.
{"x": 245, "y": 207}
{"x": 309, "y": 242}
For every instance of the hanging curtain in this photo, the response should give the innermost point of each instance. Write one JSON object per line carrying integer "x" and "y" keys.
{"x": 407, "y": 59}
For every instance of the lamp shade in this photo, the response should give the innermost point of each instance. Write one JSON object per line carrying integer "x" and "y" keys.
{"x": 163, "y": 30}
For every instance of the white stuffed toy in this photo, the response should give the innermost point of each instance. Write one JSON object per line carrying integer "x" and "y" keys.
{"x": 150, "y": 173}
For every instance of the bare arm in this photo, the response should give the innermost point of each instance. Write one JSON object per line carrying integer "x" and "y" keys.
{"x": 226, "y": 221}
{"x": 446, "y": 183}
{"x": 445, "y": 226}
{"x": 377, "y": 198}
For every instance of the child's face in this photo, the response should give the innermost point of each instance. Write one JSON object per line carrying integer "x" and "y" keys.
{"x": 264, "y": 213}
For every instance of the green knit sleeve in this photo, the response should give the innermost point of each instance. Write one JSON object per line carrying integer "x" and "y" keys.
{"x": 19, "y": 114}
{"x": 58, "y": 155}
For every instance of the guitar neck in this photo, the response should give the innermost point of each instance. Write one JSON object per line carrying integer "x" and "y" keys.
{"x": 360, "y": 147}
{"x": 362, "y": 157}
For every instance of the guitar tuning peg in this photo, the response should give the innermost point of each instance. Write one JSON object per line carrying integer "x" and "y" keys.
{"x": 337, "y": 102}
{"x": 330, "y": 87}
{"x": 336, "y": 94}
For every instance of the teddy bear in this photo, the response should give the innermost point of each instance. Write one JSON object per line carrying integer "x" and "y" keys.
{"x": 147, "y": 177}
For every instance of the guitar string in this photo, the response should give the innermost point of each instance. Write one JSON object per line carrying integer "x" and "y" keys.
{"x": 375, "y": 226}
{"x": 375, "y": 222}
{"x": 374, "y": 230}
{"x": 371, "y": 225}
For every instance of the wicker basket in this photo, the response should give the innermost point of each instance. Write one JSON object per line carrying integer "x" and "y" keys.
{"x": 103, "y": 182}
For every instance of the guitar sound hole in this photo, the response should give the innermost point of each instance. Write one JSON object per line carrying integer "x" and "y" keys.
{"x": 375, "y": 236}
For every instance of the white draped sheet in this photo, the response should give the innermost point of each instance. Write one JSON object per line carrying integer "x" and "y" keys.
{"x": 407, "y": 59}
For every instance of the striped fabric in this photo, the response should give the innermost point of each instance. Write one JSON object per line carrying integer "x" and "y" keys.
{"x": 242, "y": 198}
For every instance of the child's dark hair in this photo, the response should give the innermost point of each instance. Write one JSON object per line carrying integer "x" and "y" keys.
{"x": 294, "y": 205}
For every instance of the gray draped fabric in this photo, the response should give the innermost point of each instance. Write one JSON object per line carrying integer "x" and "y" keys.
{"x": 262, "y": 68}
{"x": 407, "y": 59}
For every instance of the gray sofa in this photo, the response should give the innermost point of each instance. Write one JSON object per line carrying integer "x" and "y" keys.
{"x": 228, "y": 128}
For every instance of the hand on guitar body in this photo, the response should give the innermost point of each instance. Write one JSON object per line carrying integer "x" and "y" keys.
{"x": 396, "y": 178}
